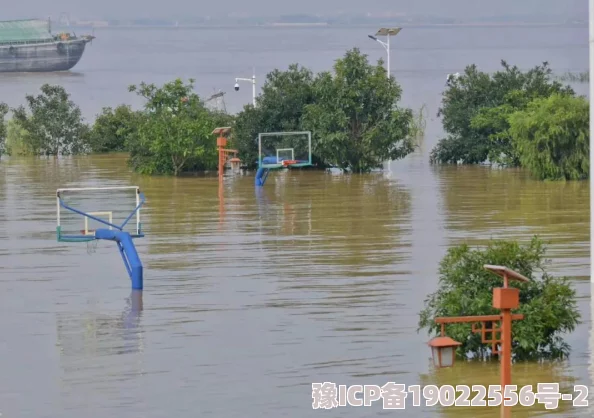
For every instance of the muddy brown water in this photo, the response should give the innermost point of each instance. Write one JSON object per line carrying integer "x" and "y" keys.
{"x": 250, "y": 298}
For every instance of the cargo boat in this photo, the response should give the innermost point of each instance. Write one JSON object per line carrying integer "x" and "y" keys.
{"x": 29, "y": 46}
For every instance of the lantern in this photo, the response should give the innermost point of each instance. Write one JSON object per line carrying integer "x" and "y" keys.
{"x": 443, "y": 350}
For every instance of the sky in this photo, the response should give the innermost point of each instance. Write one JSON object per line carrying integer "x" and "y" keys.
{"x": 183, "y": 8}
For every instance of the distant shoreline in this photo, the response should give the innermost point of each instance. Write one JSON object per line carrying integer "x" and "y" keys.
{"x": 329, "y": 25}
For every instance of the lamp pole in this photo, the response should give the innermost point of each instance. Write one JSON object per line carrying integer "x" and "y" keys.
{"x": 387, "y": 32}
{"x": 251, "y": 80}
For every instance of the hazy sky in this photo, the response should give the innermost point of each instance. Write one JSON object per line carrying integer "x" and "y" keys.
{"x": 179, "y": 8}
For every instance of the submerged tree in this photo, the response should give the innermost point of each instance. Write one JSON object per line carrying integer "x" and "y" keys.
{"x": 355, "y": 117}
{"x": 173, "y": 132}
{"x": 55, "y": 124}
{"x": 553, "y": 137}
{"x": 466, "y": 288}
{"x": 113, "y": 128}
{"x": 475, "y": 110}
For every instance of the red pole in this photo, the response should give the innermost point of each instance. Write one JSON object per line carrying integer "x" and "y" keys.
{"x": 506, "y": 350}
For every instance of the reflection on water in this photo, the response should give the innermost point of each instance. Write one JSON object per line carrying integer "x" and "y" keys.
{"x": 487, "y": 373}
{"x": 85, "y": 337}
{"x": 313, "y": 277}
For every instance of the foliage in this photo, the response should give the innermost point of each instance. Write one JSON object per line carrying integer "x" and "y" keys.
{"x": 418, "y": 124}
{"x": 55, "y": 124}
{"x": 465, "y": 288}
{"x": 17, "y": 139}
{"x": 553, "y": 137}
{"x": 583, "y": 77}
{"x": 355, "y": 119}
{"x": 475, "y": 110}
{"x": 3, "y": 112}
{"x": 112, "y": 128}
{"x": 279, "y": 108}
{"x": 174, "y": 131}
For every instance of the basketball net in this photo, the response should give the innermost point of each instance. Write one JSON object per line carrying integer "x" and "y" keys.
{"x": 92, "y": 246}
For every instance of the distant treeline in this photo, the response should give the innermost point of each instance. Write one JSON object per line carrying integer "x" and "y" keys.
{"x": 510, "y": 118}
{"x": 172, "y": 133}
{"x": 342, "y": 19}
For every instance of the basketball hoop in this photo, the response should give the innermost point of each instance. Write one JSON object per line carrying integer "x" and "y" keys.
{"x": 289, "y": 162}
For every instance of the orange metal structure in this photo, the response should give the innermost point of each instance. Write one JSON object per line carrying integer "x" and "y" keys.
{"x": 223, "y": 152}
{"x": 504, "y": 298}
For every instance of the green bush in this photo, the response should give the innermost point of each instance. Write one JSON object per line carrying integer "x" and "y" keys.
{"x": 113, "y": 128}
{"x": 18, "y": 140}
{"x": 465, "y": 288}
{"x": 552, "y": 137}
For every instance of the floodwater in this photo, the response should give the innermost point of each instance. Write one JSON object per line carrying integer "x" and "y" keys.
{"x": 252, "y": 296}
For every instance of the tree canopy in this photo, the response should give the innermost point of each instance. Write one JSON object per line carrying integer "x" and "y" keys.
{"x": 552, "y": 136}
{"x": 112, "y": 128}
{"x": 355, "y": 119}
{"x": 476, "y": 107}
{"x": 465, "y": 288}
{"x": 54, "y": 123}
{"x": 173, "y": 132}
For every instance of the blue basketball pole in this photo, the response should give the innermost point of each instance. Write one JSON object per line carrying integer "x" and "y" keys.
{"x": 128, "y": 252}
{"x": 261, "y": 176}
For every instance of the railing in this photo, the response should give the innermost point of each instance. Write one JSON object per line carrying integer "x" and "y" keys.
{"x": 39, "y": 41}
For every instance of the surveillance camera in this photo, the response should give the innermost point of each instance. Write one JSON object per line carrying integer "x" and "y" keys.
{"x": 236, "y": 86}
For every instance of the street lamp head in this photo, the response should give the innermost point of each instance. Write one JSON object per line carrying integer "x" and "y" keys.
{"x": 506, "y": 273}
{"x": 443, "y": 350}
{"x": 372, "y": 37}
{"x": 236, "y": 86}
{"x": 388, "y": 31}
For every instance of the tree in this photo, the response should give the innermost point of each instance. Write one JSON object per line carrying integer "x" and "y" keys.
{"x": 465, "y": 288}
{"x": 3, "y": 112}
{"x": 174, "y": 130}
{"x": 17, "y": 139}
{"x": 553, "y": 137}
{"x": 112, "y": 128}
{"x": 355, "y": 119}
{"x": 55, "y": 125}
{"x": 475, "y": 109}
{"x": 279, "y": 108}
